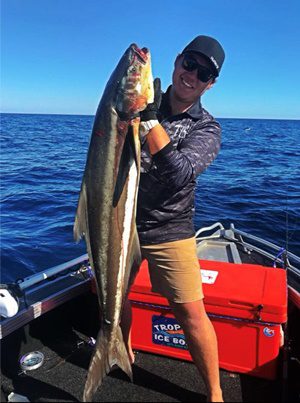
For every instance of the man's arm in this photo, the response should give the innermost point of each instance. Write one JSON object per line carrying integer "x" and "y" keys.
{"x": 176, "y": 167}
{"x": 157, "y": 138}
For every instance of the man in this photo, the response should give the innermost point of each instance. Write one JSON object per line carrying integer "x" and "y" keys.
{"x": 179, "y": 141}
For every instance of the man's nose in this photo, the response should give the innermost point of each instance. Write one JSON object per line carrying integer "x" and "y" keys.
{"x": 194, "y": 74}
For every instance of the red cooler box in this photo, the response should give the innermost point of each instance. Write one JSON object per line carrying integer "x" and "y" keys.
{"x": 247, "y": 305}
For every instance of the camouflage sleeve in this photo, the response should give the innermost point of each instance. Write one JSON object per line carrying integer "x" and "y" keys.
{"x": 177, "y": 166}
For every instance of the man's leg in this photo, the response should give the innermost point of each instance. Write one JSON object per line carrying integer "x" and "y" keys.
{"x": 202, "y": 343}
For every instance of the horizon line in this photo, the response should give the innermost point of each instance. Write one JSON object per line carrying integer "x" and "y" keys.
{"x": 92, "y": 115}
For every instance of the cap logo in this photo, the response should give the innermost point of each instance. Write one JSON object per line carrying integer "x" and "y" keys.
{"x": 214, "y": 62}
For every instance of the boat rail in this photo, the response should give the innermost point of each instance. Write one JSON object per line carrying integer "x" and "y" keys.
{"x": 53, "y": 271}
{"x": 35, "y": 296}
{"x": 264, "y": 242}
{"x": 211, "y": 227}
{"x": 232, "y": 234}
{"x": 276, "y": 253}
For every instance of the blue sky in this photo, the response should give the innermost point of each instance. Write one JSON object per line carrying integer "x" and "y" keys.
{"x": 57, "y": 55}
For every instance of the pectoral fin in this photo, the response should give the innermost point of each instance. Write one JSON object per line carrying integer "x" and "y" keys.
{"x": 127, "y": 158}
{"x": 80, "y": 224}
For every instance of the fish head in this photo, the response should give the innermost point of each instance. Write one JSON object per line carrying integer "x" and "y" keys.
{"x": 136, "y": 86}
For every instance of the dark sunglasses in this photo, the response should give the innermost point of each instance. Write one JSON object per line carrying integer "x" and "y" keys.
{"x": 190, "y": 64}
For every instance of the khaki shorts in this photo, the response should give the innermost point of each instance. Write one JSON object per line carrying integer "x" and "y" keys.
{"x": 174, "y": 270}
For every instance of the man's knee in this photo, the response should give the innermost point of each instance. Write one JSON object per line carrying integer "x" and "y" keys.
{"x": 189, "y": 313}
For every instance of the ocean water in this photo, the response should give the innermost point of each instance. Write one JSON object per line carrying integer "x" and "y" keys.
{"x": 254, "y": 183}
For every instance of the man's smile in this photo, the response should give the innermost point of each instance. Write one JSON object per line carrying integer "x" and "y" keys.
{"x": 186, "y": 83}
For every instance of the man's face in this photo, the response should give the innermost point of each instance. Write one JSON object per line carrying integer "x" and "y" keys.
{"x": 186, "y": 85}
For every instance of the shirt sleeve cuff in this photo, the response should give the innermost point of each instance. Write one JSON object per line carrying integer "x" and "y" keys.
{"x": 161, "y": 154}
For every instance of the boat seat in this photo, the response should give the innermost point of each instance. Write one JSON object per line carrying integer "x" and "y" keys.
{"x": 221, "y": 251}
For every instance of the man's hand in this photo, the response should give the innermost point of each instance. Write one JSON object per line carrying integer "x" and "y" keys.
{"x": 149, "y": 115}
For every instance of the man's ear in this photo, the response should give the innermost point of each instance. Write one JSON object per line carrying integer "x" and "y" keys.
{"x": 177, "y": 57}
{"x": 211, "y": 84}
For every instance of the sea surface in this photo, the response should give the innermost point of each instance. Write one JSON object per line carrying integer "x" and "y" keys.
{"x": 254, "y": 183}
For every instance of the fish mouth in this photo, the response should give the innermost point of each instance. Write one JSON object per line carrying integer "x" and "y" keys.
{"x": 143, "y": 54}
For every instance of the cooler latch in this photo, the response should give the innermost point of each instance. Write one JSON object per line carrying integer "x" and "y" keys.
{"x": 259, "y": 308}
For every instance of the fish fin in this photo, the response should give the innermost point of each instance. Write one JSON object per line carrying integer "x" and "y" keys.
{"x": 126, "y": 160}
{"x": 136, "y": 143}
{"x": 122, "y": 358}
{"x": 136, "y": 249}
{"x": 107, "y": 354}
{"x": 80, "y": 223}
{"x": 98, "y": 368}
{"x": 134, "y": 263}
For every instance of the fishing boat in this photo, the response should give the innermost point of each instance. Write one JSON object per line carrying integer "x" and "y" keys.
{"x": 49, "y": 323}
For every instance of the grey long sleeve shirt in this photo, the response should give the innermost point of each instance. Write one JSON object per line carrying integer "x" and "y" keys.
{"x": 168, "y": 179}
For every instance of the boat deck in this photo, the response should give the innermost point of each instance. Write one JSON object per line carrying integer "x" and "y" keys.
{"x": 155, "y": 379}
{"x": 61, "y": 378}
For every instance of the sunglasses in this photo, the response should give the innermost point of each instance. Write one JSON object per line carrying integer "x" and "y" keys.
{"x": 190, "y": 64}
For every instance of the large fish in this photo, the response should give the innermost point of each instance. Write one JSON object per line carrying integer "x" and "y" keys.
{"x": 107, "y": 204}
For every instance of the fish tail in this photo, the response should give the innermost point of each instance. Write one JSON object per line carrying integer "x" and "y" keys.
{"x": 108, "y": 352}
{"x": 122, "y": 358}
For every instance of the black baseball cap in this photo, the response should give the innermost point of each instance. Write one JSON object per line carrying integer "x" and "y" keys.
{"x": 210, "y": 48}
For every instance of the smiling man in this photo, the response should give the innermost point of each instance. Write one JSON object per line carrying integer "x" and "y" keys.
{"x": 180, "y": 139}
